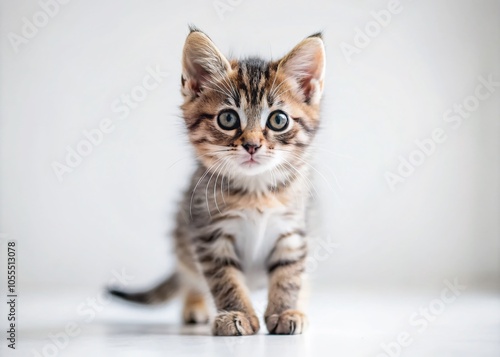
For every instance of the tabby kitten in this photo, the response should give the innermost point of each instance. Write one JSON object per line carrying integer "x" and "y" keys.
{"x": 242, "y": 222}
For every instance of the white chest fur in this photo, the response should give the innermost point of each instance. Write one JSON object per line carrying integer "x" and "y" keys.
{"x": 256, "y": 234}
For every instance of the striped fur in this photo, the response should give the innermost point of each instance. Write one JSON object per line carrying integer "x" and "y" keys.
{"x": 242, "y": 222}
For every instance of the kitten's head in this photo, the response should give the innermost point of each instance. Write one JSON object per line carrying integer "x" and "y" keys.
{"x": 250, "y": 117}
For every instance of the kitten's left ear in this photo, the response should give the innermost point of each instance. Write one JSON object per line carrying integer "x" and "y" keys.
{"x": 305, "y": 65}
{"x": 202, "y": 63}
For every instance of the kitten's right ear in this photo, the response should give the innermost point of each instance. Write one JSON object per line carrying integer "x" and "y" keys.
{"x": 305, "y": 65}
{"x": 202, "y": 62}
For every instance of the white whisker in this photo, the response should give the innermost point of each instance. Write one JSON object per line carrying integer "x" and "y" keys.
{"x": 208, "y": 184}
{"x": 196, "y": 186}
{"x": 335, "y": 178}
{"x": 219, "y": 168}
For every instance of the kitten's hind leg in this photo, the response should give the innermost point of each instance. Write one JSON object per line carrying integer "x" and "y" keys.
{"x": 195, "y": 308}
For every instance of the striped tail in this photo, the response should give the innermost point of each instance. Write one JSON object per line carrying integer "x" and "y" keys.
{"x": 156, "y": 295}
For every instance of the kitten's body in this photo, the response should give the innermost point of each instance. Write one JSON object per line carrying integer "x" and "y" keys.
{"x": 242, "y": 222}
{"x": 255, "y": 220}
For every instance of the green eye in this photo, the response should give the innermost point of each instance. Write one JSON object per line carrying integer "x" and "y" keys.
{"x": 277, "y": 121}
{"x": 228, "y": 119}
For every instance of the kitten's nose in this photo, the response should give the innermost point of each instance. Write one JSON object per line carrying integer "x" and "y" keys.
{"x": 251, "y": 148}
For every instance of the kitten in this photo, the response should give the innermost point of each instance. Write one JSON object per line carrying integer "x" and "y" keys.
{"x": 242, "y": 222}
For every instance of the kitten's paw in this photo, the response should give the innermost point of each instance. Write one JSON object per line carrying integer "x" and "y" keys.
{"x": 289, "y": 322}
{"x": 195, "y": 310}
{"x": 235, "y": 323}
{"x": 195, "y": 315}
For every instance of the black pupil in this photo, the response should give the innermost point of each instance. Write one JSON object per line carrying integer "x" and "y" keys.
{"x": 229, "y": 118}
{"x": 279, "y": 120}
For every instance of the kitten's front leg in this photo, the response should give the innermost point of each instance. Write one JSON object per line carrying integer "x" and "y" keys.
{"x": 286, "y": 267}
{"x": 222, "y": 270}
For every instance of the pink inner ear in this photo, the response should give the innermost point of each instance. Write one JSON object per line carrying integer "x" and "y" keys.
{"x": 305, "y": 64}
{"x": 315, "y": 70}
{"x": 197, "y": 77}
{"x": 306, "y": 85}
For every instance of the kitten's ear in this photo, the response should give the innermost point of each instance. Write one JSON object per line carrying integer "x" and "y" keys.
{"x": 201, "y": 61}
{"x": 305, "y": 65}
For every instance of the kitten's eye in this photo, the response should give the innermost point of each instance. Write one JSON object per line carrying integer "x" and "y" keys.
{"x": 278, "y": 121}
{"x": 228, "y": 119}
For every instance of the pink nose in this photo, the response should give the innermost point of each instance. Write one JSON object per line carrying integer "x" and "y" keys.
{"x": 251, "y": 148}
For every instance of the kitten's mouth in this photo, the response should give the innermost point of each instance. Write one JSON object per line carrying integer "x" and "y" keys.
{"x": 250, "y": 162}
{"x": 253, "y": 166}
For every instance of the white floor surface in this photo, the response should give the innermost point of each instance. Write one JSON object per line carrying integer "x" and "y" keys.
{"x": 343, "y": 323}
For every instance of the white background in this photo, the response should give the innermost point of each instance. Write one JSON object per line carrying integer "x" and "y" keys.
{"x": 116, "y": 208}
